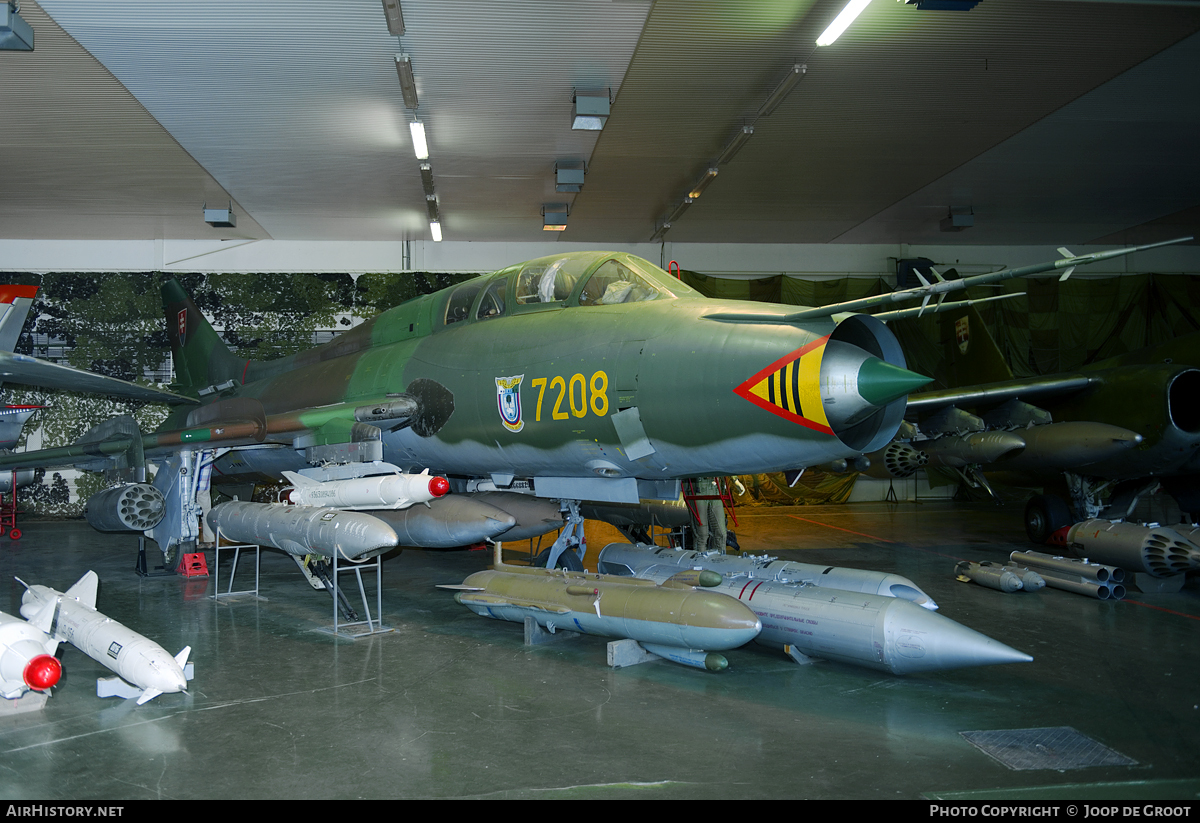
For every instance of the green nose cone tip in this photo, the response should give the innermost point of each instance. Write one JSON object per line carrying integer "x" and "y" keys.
{"x": 879, "y": 382}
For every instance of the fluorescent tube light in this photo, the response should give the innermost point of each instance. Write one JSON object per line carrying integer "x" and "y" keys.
{"x": 840, "y": 23}
{"x": 418, "y": 137}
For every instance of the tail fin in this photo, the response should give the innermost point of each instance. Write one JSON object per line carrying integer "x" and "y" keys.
{"x": 15, "y": 302}
{"x": 972, "y": 356}
{"x": 201, "y": 358}
{"x": 85, "y": 589}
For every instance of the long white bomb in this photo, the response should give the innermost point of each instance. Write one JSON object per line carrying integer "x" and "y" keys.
{"x": 137, "y": 659}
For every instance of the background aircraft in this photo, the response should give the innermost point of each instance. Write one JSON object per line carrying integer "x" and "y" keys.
{"x": 1098, "y": 438}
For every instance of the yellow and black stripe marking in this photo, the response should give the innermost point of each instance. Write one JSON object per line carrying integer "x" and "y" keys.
{"x": 791, "y": 387}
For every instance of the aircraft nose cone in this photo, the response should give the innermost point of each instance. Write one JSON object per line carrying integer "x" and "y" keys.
{"x": 880, "y": 382}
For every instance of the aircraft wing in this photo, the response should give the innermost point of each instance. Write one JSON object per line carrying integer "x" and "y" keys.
{"x": 990, "y": 393}
{"x": 939, "y": 289}
{"x": 30, "y": 371}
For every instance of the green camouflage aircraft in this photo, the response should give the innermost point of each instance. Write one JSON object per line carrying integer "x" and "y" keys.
{"x": 579, "y": 378}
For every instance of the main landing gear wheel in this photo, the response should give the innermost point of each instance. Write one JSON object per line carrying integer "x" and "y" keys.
{"x": 567, "y": 560}
{"x": 1044, "y": 515}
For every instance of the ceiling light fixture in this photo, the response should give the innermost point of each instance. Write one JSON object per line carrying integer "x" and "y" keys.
{"x": 15, "y": 33}
{"x": 735, "y": 145}
{"x": 395, "y": 16}
{"x": 840, "y": 23}
{"x": 427, "y": 179}
{"x": 420, "y": 146}
{"x": 435, "y": 229}
{"x": 220, "y": 218}
{"x": 794, "y": 75}
{"x": 702, "y": 184}
{"x": 554, "y": 216}
{"x": 678, "y": 211}
{"x": 590, "y": 111}
{"x": 958, "y": 218}
{"x": 568, "y": 176}
{"x": 408, "y": 83}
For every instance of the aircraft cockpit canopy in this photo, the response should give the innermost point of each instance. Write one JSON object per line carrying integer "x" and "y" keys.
{"x": 558, "y": 281}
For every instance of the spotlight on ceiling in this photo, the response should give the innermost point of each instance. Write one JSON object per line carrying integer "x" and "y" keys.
{"x": 15, "y": 33}
{"x": 958, "y": 218}
{"x": 568, "y": 176}
{"x": 554, "y": 216}
{"x": 840, "y": 23}
{"x": 395, "y": 16}
{"x": 220, "y": 218}
{"x": 420, "y": 146}
{"x": 590, "y": 111}
{"x": 408, "y": 83}
{"x": 794, "y": 75}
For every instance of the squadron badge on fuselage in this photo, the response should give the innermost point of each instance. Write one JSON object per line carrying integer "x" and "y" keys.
{"x": 508, "y": 400}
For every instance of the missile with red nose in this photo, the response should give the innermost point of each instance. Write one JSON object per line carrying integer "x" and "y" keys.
{"x": 27, "y": 660}
{"x": 137, "y": 659}
{"x": 386, "y": 491}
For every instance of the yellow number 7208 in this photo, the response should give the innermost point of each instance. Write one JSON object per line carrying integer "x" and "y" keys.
{"x": 578, "y": 401}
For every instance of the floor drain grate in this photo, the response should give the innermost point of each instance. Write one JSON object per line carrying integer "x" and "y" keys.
{"x": 1059, "y": 748}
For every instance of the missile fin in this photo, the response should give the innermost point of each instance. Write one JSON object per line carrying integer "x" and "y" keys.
{"x": 182, "y": 657}
{"x": 85, "y": 589}
{"x": 1065, "y": 252}
{"x": 299, "y": 480}
{"x": 148, "y": 695}
{"x": 1066, "y": 274}
{"x": 43, "y": 618}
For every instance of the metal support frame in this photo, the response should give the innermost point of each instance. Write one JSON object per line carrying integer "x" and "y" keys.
{"x": 237, "y": 551}
{"x": 141, "y": 569}
{"x": 359, "y": 628}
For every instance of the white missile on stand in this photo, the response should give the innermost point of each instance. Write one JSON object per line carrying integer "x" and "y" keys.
{"x": 137, "y": 659}
{"x": 387, "y": 491}
{"x": 27, "y": 660}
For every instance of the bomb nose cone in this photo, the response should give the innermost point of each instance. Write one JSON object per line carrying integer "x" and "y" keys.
{"x": 927, "y": 641}
{"x": 880, "y": 382}
{"x": 42, "y": 672}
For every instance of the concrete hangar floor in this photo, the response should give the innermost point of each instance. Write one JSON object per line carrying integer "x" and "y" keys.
{"x": 451, "y": 705}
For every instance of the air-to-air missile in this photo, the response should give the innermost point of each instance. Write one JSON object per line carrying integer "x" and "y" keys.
{"x": 890, "y": 634}
{"x": 673, "y": 618}
{"x": 624, "y": 558}
{"x": 562, "y": 377}
{"x": 1078, "y": 576}
{"x": 137, "y": 659}
{"x": 1156, "y": 550}
{"x": 27, "y": 660}
{"x": 387, "y": 491}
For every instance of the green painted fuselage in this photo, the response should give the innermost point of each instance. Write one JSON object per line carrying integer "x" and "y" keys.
{"x": 552, "y": 375}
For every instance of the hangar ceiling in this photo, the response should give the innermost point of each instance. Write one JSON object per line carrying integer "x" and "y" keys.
{"x": 1057, "y": 121}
